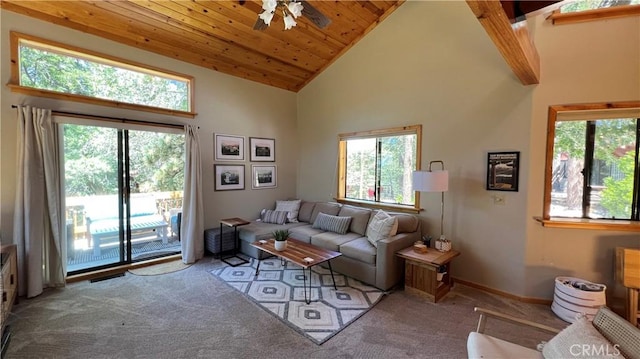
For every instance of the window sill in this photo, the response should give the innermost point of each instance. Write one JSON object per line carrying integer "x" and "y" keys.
{"x": 377, "y": 205}
{"x": 96, "y": 101}
{"x": 596, "y": 224}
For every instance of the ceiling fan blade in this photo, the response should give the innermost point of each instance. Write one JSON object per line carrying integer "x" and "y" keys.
{"x": 260, "y": 25}
{"x": 313, "y": 14}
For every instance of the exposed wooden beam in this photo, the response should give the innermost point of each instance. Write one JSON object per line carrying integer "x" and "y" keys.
{"x": 514, "y": 44}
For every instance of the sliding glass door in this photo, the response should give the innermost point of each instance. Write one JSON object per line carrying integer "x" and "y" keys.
{"x": 123, "y": 192}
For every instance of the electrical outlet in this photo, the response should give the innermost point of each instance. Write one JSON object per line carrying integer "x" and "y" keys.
{"x": 499, "y": 200}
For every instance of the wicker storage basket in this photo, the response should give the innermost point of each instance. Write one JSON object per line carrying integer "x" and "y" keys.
{"x": 574, "y": 296}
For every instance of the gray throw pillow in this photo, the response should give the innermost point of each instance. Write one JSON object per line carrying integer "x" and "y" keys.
{"x": 330, "y": 223}
{"x": 271, "y": 216}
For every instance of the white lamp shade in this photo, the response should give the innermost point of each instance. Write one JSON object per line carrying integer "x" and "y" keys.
{"x": 431, "y": 181}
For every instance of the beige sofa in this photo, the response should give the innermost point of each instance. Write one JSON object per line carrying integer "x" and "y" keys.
{"x": 377, "y": 266}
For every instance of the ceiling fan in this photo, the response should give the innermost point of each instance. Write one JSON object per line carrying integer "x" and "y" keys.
{"x": 290, "y": 10}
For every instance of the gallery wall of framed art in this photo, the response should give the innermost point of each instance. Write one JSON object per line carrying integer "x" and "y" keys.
{"x": 231, "y": 148}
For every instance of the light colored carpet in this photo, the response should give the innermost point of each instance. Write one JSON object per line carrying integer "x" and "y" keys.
{"x": 193, "y": 314}
{"x": 280, "y": 291}
{"x": 161, "y": 268}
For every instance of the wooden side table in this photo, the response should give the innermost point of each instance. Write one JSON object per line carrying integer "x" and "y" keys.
{"x": 421, "y": 272}
{"x": 234, "y": 223}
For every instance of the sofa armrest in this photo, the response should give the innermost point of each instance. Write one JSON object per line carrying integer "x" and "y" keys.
{"x": 484, "y": 313}
{"x": 388, "y": 266}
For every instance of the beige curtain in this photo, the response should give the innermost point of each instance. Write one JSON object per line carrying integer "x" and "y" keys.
{"x": 38, "y": 213}
{"x": 192, "y": 228}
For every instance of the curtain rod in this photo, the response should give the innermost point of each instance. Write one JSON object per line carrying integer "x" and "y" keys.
{"x": 114, "y": 119}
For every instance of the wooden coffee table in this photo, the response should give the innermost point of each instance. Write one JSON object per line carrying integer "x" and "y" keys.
{"x": 303, "y": 254}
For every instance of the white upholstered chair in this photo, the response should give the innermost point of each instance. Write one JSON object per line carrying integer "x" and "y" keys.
{"x": 608, "y": 336}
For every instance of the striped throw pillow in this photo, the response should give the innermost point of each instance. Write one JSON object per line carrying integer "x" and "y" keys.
{"x": 271, "y": 216}
{"x": 330, "y": 223}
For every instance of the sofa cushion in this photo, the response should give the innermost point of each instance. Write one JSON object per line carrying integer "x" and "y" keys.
{"x": 331, "y": 240}
{"x": 381, "y": 226}
{"x": 271, "y": 216}
{"x": 573, "y": 340}
{"x": 360, "y": 249}
{"x": 407, "y": 223}
{"x": 360, "y": 218}
{"x": 335, "y": 224}
{"x": 305, "y": 212}
{"x": 304, "y": 233}
{"x": 324, "y": 207}
{"x": 289, "y": 206}
{"x": 486, "y": 346}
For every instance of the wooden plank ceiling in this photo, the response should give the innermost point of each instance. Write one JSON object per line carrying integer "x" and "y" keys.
{"x": 219, "y": 35}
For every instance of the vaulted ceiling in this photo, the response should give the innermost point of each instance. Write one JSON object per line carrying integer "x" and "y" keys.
{"x": 219, "y": 35}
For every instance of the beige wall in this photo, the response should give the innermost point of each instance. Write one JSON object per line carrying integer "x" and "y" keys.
{"x": 224, "y": 105}
{"x": 431, "y": 63}
{"x": 580, "y": 63}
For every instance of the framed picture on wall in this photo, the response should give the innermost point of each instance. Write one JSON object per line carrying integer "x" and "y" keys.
{"x": 262, "y": 149}
{"x": 263, "y": 177}
{"x": 502, "y": 171}
{"x": 228, "y": 147}
{"x": 228, "y": 177}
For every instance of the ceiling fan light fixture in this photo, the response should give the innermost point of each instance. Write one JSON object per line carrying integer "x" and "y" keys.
{"x": 295, "y": 8}
{"x": 289, "y": 22}
{"x": 269, "y": 5}
{"x": 266, "y": 17}
{"x": 290, "y": 10}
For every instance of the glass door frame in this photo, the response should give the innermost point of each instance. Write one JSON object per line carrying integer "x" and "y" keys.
{"x": 124, "y": 179}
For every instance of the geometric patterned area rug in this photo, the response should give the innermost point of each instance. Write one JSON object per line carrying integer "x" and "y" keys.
{"x": 279, "y": 291}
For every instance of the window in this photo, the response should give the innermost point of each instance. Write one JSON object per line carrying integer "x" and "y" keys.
{"x": 44, "y": 68}
{"x": 593, "y": 167}
{"x": 594, "y": 10}
{"x": 584, "y": 5}
{"x": 376, "y": 167}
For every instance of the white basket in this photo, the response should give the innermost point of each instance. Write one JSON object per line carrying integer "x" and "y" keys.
{"x": 569, "y": 301}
